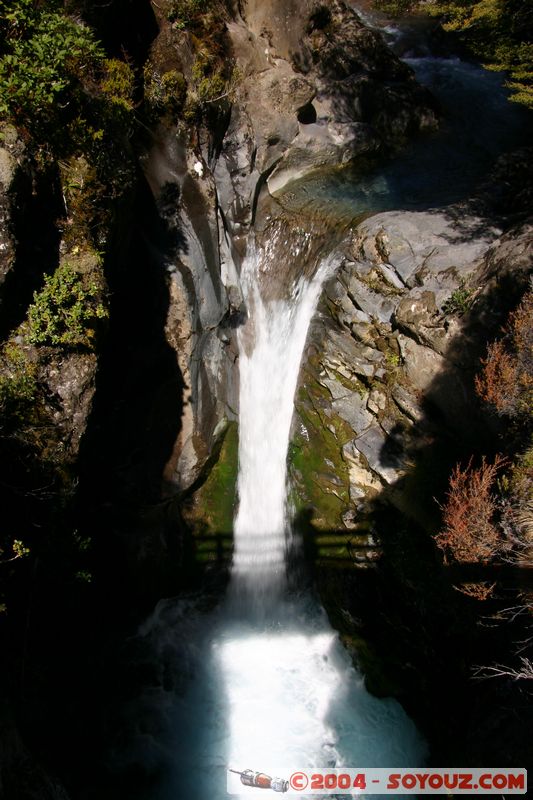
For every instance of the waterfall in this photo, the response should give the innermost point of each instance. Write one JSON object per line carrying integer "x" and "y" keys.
{"x": 294, "y": 698}
{"x": 270, "y": 350}
{"x": 262, "y": 680}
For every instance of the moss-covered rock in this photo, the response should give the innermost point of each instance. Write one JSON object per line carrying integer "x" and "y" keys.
{"x": 210, "y": 510}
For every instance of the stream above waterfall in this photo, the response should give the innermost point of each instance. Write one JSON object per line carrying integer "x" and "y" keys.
{"x": 477, "y": 124}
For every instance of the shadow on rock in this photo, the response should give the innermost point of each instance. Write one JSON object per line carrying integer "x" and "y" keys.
{"x": 136, "y": 414}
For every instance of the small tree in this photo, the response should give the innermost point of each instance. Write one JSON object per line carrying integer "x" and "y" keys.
{"x": 68, "y": 310}
{"x": 470, "y": 533}
{"x": 506, "y": 380}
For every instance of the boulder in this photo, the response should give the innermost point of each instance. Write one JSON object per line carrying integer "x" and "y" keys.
{"x": 433, "y": 245}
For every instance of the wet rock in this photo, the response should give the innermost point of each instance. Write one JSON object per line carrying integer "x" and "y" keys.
{"x": 417, "y": 315}
{"x": 337, "y": 389}
{"x": 406, "y": 360}
{"x": 71, "y": 381}
{"x": 205, "y": 302}
{"x": 377, "y": 401}
{"x": 312, "y": 95}
{"x": 321, "y": 145}
{"x": 363, "y": 482}
{"x": 373, "y": 304}
{"x": 509, "y": 258}
{"x": 407, "y": 402}
{"x": 422, "y": 364}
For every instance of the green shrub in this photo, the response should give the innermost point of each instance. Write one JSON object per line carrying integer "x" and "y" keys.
{"x": 68, "y": 310}
{"x": 63, "y": 95}
{"x": 164, "y": 93}
{"x": 183, "y": 12}
{"x": 393, "y": 359}
{"x": 46, "y": 55}
{"x": 498, "y": 33}
{"x": 459, "y": 301}
{"x": 211, "y": 87}
{"x": 18, "y": 388}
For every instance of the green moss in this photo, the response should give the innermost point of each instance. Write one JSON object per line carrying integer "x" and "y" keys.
{"x": 165, "y": 92}
{"x": 118, "y": 83}
{"x": 18, "y": 386}
{"x": 392, "y": 359}
{"x": 211, "y": 510}
{"x": 315, "y": 459}
{"x": 183, "y": 13}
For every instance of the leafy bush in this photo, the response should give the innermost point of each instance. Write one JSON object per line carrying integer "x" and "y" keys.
{"x": 506, "y": 380}
{"x": 46, "y": 56}
{"x": 470, "y": 533}
{"x": 68, "y": 310}
{"x": 62, "y": 94}
{"x": 498, "y": 33}
{"x": 164, "y": 93}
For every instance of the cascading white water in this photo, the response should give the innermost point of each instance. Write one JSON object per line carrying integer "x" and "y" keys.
{"x": 238, "y": 689}
{"x": 270, "y": 345}
{"x": 263, "y": 680}
{"x": 294, "y": 698}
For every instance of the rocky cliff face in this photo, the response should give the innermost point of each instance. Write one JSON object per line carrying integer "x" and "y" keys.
{"x": 313, "y": 88}
{"x": 401, "y": 328}
{"x": 392, "y": 356}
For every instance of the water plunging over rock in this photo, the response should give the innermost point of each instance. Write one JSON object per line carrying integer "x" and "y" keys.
{"x": 271, "y": 345}
{"x": 270, "y": 687}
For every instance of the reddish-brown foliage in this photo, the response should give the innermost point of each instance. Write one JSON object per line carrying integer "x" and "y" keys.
{"x": 477, "y": 591}
{"x": 470, "y": 533}
{"x": 506, "y": 380}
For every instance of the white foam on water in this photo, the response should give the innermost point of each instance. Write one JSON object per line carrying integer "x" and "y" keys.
{"x": 270, "y": 685}
{"x": 293, "y": 695}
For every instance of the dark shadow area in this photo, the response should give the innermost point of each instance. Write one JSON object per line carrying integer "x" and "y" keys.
{"x": 136, "y": 414}
{"x": 306, "y": 115}
{"x": 69, "y": 670}
{"x": 125, "y": 27}
{"x": 35, "y": 218}
{"x": 147, "y": 737}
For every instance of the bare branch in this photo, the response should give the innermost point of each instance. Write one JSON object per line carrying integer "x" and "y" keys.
{"x": 523, "y": 673}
